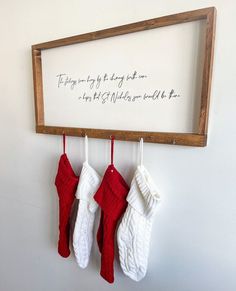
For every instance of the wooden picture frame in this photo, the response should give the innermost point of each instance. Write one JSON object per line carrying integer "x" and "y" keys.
{"x": 198, "y": 138}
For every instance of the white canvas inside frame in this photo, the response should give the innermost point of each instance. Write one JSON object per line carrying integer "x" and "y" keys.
{"x": 158, "y": 85}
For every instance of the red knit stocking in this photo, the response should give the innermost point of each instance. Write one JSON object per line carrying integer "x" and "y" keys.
{"x": 66, "y": 182}
{"x": 111, "y": 196}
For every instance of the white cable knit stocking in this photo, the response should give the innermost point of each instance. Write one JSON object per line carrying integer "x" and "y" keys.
{"x": 83, "y": 232}
{"x": 134, "y": 232}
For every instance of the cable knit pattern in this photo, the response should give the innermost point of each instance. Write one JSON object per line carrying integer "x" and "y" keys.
{"x": 111, "y": 197}
{"x": 134, "y": 232}
{"x": 83, "y": 231}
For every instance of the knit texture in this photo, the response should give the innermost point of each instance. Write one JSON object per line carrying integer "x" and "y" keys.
{"x": 66, "y": 182}
{"x": 111, "y": 197}
{"x": 134, "y": 232}
{"x": 83, "y": 231}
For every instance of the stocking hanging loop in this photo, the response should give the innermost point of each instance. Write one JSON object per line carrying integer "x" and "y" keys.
{"x": 64, "y": 143}
{"x": 112, "y": 149}
{"x": 86, "y": 147}
{"x": 141, "y": 152}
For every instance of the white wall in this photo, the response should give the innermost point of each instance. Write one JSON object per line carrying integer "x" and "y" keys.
{"x": 194, "y": 234}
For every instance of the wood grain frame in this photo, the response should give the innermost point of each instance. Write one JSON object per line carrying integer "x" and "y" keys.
{"x": 198, "y": 138}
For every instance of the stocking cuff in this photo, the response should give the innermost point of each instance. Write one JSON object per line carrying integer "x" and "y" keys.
{"x": 111, "y": 195}
{"x": 89, "y": 183}
{"x": 143, "y": 195}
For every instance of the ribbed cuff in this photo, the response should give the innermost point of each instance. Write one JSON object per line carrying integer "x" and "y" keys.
{"x": 143, "y": 195}
{"x": 112, "y": 193}
{"x": 89, "y": 183}
{"x": 65, "y": 173}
